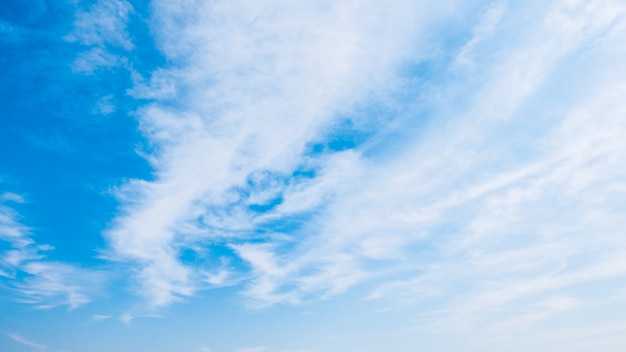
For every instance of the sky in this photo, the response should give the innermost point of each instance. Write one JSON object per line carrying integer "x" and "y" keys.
{"x": 312, "y": 176}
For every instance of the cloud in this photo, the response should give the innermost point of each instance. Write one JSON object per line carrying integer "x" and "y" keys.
{"x": 50, "y": 284}
{"x": 507, "y": 225}
{"x": 19, "y": 339}
{"x": 104, "y": 23}
{"x": 465, "y": 181}
{"x": 255, "y": 87}
{"x": 34, "y": 279}
{"x": 104, "y": 106}
{"x": 460, "y": 161}
{"x": 8, "y": 196}
{"x": 99, "y": 317}
{"x": 101, "y": 30}
{"x": 96, "y": 58}
{"x": 498, "y": 204}
{"x": 10, "y": 229}
{"x": 126, "y": 318}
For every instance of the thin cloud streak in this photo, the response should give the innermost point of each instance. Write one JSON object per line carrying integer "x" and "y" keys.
{"x": 34, "y": 279}
{"x": 19, "y": 339}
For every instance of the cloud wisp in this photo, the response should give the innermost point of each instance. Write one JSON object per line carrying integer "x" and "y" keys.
{"x": 21, "y": 340}
{"x": 37, "y": 280}
{"x": 101, "y": 29}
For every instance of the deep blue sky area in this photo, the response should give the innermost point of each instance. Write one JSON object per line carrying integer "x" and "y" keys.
{"x": 60, "y": 152}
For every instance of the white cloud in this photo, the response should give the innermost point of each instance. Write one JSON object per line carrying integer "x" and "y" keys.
{"x": 51, "y": 284}
{"x": 254, "y": 85}
{"x": 8, "y": 196}
{"x": 33, "y": 278}
{"x": 101, "y": 29}
{"x": 93, "y": 59}
{"x": 161, "y": 86}
{"x": 126, "y": 318}
{"x": 11, "y": 230}
{"x": 493, "y": 192}
{"x": 487, "y": 27}
{"x": 20, "y": 339}
{"x": 514, "y": 226}
{"x": 104, "y": 23}
{"x": 99, "y": 317}
{"x": 501, "y": 206}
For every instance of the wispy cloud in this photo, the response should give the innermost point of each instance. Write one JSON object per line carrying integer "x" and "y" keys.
{"x": 508, "y": 225}
{"x": 9, "y": 196}
{"x": 50, "y": 284}
{"x": 457, "y": 165}
{"x": 500, "y": 202}
{"x": 31, "y": 276}
{"x": 99, "y": 317}
{"x": 101, "y": 28}
{"x": 255, "y": 86}
{"x": 20, "y": 339}
{"x": 10, "y": 229}
{"x": 126, "y": 318}
{"x": 462, "y": 177}
{"x": 103, "y": 23}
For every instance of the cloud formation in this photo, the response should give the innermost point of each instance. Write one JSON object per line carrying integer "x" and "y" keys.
{"x": 442, "y": 172}
{"x": 36, "y": 280}
{"x": 253, "y": 168}
{"x": 255, "y": 87}
{"x": 101, "y": 28}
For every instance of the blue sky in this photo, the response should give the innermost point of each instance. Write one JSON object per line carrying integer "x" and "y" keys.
{"x": 245, "y": 176}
